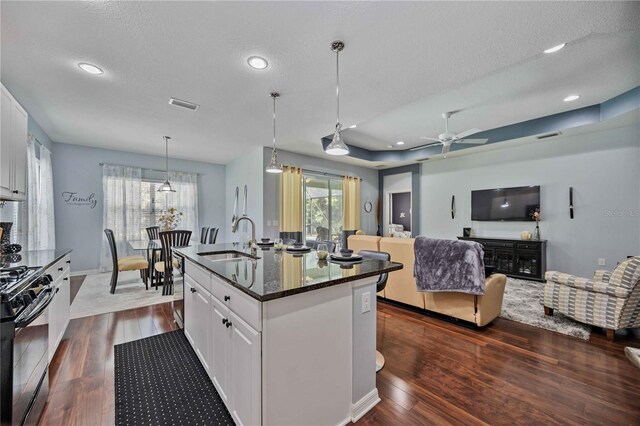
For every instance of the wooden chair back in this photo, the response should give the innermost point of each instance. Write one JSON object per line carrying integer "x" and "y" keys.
{"x": 112, "y": 246}
{"x": 204, "y": 233}
{"x": 153, "y": 233}
{"x": 171, "y": 239}
{"x": 213, "y": 235}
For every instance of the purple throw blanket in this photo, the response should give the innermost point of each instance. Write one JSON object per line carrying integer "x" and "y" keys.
{"x": 448, "y": 265}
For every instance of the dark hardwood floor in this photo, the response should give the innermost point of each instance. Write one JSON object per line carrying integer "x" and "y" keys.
{"x": 436, "y": 372}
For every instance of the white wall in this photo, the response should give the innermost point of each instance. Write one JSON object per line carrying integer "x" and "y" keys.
{"x": 393, "y": 183}
{"x": 246, "y": 170}
{"x": 368, "y": 187}
{"x": 602, "y": 167}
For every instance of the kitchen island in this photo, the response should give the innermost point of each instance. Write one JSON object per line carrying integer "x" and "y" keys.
{"x": 286, "y": 339}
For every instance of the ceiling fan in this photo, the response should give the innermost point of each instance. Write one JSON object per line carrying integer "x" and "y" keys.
{"x": 447, "y": 138}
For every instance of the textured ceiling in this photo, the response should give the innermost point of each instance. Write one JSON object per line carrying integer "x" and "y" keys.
{"x": 404, "y": 63}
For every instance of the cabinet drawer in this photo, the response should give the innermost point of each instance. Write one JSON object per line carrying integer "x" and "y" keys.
{"x": 199, "y": 275}
{"x": 496, "y": 244}
{"x": 528, "y": 246}
{"x": 60, "y": 268}
{"x": 244, "y": 306}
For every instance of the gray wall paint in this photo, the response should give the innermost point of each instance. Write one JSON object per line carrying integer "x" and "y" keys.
{"x": 246, "y": 170}
{"x": 75, "y": 168}
{"x": 35, "y": 129}
{"x": 604, "y": 169}
{"x": 368, "y": 188}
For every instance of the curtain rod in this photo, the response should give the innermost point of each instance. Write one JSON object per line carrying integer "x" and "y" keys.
{"x": 327, "y": 174}
{"x": 146, "y": 168}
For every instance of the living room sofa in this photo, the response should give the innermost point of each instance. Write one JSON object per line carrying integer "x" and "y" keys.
{"x": 401, "y": 287}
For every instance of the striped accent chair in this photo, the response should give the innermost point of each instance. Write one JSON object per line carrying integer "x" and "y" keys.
{"x": 610, "y": 300}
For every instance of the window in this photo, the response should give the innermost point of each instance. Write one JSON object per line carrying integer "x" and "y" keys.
{"x": 152, "y": 204}
{"x": 322, "y": 208}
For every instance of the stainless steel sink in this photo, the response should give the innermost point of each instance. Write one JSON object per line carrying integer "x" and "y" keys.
{"x": 226, "y": 255}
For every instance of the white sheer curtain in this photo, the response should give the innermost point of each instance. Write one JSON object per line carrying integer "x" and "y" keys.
{"x": 185, "y": 199}
{"x": 39, "y": 207}
{"x": 121, "y": 188}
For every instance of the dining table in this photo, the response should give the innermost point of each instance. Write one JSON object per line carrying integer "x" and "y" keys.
{"x": 152, "y": 248}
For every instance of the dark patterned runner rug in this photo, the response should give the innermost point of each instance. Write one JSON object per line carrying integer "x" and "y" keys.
{"x": 160, "y": 381}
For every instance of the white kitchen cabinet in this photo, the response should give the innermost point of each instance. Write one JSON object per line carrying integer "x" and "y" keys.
{"x": 220, "y": 348}
{"x": 59, "y": 310}
{"x": 13, "y": 148}
{"x": 245, "y": 369}
{"x": 197, "y": 312}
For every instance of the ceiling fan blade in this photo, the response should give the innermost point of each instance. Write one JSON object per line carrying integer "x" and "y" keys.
{"x": 445, "y": 148}
{"x": 467, "y": 133}
{"x": 473, "y": 141}
{"x": 430, "y": 139}
{"x": 415, "y": 148}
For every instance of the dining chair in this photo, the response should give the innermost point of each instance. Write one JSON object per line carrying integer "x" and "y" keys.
{"x": 152, "y": 232}
{"x": 165, "y": 267}
{"x": 127, "y": 263}
{"x": 213, "y": 235}
{"x": 204, "y": 232}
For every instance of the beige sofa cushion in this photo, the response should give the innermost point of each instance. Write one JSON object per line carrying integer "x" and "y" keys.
{"x": 401, "y": 286}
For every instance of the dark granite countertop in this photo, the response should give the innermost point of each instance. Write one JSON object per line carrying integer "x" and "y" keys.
{"x": 276, "y": 274}
{"x": 33, "y": 258}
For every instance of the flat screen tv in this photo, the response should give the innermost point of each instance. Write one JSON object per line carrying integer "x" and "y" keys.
{"x": 505, "y": 204}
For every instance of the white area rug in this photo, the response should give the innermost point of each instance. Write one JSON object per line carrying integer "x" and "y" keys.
{"x": 522, "y": 303}
{"x": 94, "y": 297}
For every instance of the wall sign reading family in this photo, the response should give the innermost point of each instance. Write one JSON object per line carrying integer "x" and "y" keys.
{"x": 77, "y": 199}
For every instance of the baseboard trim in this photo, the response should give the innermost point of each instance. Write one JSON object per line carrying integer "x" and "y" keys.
{"x": 363, "y": 406}
{"x": 89, "y": 272}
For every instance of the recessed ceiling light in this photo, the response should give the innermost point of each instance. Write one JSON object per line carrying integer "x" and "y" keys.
{"x": 571, "y": 98}
{"x": 257, "y": 62}
{"x": 400, "y": 143}
{"x": 91, "y": 69}
{"x": 353, "y": 127}
{"x": 389, "y": 146}
{"x": 555, "y": 48}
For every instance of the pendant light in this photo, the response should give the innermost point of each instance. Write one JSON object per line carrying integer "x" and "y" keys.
{"x": 273, "y": 166}
{"x": 337, "y": 145}
{"x": 166, "y": 186}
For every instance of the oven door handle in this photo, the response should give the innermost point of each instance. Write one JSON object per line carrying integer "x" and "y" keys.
{"x": 42, "y": 305}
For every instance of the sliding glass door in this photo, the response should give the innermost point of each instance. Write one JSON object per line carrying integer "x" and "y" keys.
{"x": 322, "y": 208}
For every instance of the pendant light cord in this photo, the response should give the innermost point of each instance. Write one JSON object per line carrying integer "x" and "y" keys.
{"x": 166, "y": 156}
{"x": 337, "y": 88}
{"x": 274, "y": 124}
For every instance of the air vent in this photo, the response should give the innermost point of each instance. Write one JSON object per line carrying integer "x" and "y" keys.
{"x": 183, "y": 104}
{"x": 549, "y": 135}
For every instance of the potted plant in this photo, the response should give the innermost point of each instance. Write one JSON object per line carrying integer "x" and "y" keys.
{"x": 169, "y": 220}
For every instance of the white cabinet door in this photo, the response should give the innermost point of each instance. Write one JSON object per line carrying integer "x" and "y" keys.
{"x": 203, "y": 324}
{"x": 220, "y": 342}
{"x": 19, "y": 136}
{"x": 6, "y": 104}
{"x": 246, "y": 371}
{"x": 190, "y": 307}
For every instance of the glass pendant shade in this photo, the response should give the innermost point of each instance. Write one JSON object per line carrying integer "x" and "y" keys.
{"x": 337, "y": 145}
{"x": 273, "y": 166}
{"x": 166, "y": 186}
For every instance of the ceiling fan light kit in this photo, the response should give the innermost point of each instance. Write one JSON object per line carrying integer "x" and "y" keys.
{"x": 447, "y": 138}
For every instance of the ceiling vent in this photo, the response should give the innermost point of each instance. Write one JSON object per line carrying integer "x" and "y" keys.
{"x": 549, "y": 135}
{"x": 183, "y": 104}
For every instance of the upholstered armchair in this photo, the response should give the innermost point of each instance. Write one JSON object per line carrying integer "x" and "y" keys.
{"x": 610, "y": 300}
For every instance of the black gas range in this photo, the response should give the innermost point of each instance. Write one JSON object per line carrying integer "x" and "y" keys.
{"x": 25, "y": 294}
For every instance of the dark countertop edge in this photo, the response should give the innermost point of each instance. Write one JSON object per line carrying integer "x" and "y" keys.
{"x": 278, "y": 295}
{"x": 57, "y": 257}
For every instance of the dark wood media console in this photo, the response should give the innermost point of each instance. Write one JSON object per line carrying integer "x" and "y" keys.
{"x": 515, "y": 258}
